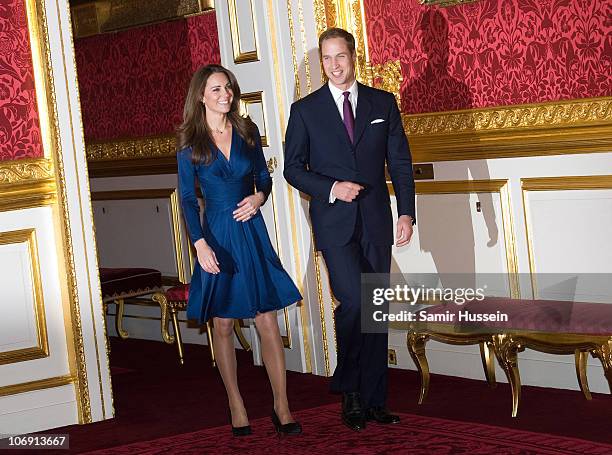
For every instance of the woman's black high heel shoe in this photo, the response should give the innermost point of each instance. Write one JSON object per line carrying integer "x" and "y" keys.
{"x": 240, "y": 431}
{"x": 292, "y": 428}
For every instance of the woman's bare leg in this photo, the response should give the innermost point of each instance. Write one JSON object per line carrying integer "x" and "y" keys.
{"x": 226, "y": 362}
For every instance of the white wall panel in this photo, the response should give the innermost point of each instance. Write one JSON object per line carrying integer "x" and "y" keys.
{"x": 18, "y": 327}
{"x": 56, "y": 364}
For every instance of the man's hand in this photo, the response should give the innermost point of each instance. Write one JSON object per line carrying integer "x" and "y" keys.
{"x": 404, "y": 230}
{"x": 346, "y": 191}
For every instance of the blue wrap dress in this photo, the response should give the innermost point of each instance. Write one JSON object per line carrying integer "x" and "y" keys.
{"x": 252, "y": 279}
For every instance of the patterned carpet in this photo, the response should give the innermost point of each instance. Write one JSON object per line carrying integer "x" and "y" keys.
{"x": 325, "y": 434}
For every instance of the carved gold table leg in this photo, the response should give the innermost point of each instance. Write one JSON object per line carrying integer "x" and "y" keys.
{"x": 581, "y": 371}
{"x": 506, "y": 350}
{"x": 161, "y": 300}
{"x": 209, "y": 331}
{"x": 177, "y": 332}
{"x": 604, "y": 354}
{"x": 416, "y": 347}
{"x": 486, "y": 348}
{"x": 238, "y": 331}
{"x": 123, "y": 334}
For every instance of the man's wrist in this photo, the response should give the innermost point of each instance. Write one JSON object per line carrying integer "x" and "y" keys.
{"x": 332, "y": 197}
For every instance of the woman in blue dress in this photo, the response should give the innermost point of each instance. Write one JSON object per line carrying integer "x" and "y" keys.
{"x": 238, "y": 274}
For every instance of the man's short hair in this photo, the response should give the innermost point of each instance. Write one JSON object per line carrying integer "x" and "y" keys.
{"x": 336, "y": 32}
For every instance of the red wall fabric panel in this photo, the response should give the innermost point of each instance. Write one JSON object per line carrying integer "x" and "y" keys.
{"x": 203, "y": 40}
{"x": 133, "y": 83}
{"x": 19, "y": 120}
{"x": 493, "y": 52}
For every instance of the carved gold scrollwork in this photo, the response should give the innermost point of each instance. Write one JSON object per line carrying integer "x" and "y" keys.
{"x": 20, "y": 171}
{"x": 272, "y": 164}
{"x": 147, "y": 147}
{"x": 604, "y": 354}
{"x": 559, "y": 113}
{"x": 416, "y": 347}
{"x": 507, "y": 349}
{"x": 388, "y": 76}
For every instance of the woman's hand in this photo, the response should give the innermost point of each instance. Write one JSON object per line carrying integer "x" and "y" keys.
{"x": 206, "y": 257}
{"x": 248, "y": 207}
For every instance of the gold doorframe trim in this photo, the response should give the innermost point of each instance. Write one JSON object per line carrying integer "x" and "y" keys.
{"x": 41, "y": 350}
{"x": 499, "y": 186}
{"x": 256, "y": 98}
{"x": 40, "y": 384}
{"x": 44, "y": 83}
{"x": 304, "y": 317}
{"x": 239, "y": 55}
{"x": 588, "y": 182}
{"x": 159, "y": 193}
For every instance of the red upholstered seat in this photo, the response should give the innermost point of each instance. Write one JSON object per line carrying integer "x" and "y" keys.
{"x": 125, "y": 282}
{"x": 178, "y": 293}
{"x": 537, "y": 315}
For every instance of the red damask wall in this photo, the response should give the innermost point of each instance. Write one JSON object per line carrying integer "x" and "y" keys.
{"x": 19, "y": 121}
{"x": 493, "y": 52}
{"x": 133, "y": 83}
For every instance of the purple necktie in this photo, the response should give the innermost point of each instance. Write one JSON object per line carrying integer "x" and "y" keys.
{"x": 349, "y": 119}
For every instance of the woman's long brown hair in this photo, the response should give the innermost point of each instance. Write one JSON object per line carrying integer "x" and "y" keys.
{"x": 194, "y": 130}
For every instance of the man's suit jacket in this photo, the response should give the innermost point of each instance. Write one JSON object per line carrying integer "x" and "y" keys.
{"x": 318, "y": 152}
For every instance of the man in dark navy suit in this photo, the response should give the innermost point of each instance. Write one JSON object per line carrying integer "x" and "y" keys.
{"x": 338, "y": 140}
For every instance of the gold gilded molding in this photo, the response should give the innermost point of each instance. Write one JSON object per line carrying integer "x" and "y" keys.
{"x": 315, "y": 255}
{"x": 558, "y": 113}
{"x": 247, "y": 99}
{"x": 305, "y": 47}
{"x": 588, "y": 182}
{"x": 36, "y": 385}
{"x": 304, "y": 317}
{"x": 326, "y": 13}
{"x": 41, "y": 350}
{"x": 47, "y": 106}
{"x": 104, "y": 16}
{"x": 142, "y": 156}
{"x": 556, "y": 128}
{"x": 388, "y": 76}
{"x": 95, "y": 289}
{"x": 240, "y": 55}
{"x": 146, "y": 147}
{"x": 29, "y": 170}
{"x": 297, "y": 89}
{"x": 350, "y": 15}
{"x": 26, "y": 184}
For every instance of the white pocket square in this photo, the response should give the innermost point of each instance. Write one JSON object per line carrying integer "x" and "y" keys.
{"x": 378, "y": 120}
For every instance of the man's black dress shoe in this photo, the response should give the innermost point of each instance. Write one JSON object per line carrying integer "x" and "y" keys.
{"x": 352, "y": 414}
{"x": 380, "y": 414}
{"x": 292, "y": 428}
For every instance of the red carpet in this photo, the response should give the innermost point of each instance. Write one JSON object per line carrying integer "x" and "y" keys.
{"x": 155, "y": 397}
{"x": 324, "y": 434}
